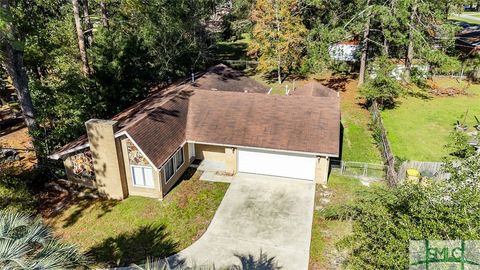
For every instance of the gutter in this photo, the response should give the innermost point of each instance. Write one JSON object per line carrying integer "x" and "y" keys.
{"x": 268, "y": 149}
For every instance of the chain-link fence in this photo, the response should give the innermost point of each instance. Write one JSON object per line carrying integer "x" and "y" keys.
{"x": 362, "y": 170}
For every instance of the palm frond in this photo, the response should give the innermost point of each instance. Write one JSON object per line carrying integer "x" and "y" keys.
{"x": 56, "y": 255}
{"x": 13, "y": 253}
{"x": 11, "y": 222}
{"x": 152, "y": 264}
{"x": 27, "y": 243}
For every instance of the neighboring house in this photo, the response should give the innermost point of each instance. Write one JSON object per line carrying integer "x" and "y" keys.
{"x": 345, "y": 51}
{"x": 398, "y": 71}
{"x": 145, "y": 149}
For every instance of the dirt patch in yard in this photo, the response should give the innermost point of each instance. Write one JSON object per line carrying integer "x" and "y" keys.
{"x": 16, "y": 136}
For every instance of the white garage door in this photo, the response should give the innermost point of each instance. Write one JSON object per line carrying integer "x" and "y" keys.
{"x": 273, "y": 163}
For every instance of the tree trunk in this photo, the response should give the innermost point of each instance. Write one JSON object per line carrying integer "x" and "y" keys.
{"x": 103, "y": 10}
{"x": 409, "y": 58}
{"x": 14, "y": 64}
{"x": 363, "y": 59}
{"x": 81, "y": 38}
{"x": 279, "y": 60}
{"x": 88, "y": 23}
{"x": 13, "y": 60}
{"x": 386, "y": 50}
{"x": 385, "y": 41}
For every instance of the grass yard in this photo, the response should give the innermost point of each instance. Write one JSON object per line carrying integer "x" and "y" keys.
{"x": 418, "y": 129}
{"x": 358, "y": 143}
{"x": 326, "y": 233}
{"x": 125, "y": 232}
{"x": 232, "y": 50}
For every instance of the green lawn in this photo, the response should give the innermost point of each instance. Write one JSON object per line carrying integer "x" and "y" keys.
{"x": 121, "y": 233}
{"x": 418, "y": 129}
{"x": 358, "y": 143}
{"x": 325, "y": 232}
{"x": 232, "y": 50}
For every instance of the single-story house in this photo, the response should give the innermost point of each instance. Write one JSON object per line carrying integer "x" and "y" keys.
{"x": 145, "y": 149}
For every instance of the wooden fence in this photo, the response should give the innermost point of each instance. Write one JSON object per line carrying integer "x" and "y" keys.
{"x": 380, "y": 134}
{"x": 430, "y": 169}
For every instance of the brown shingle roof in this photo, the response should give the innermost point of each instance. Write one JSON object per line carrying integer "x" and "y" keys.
{"x": 79, "y": 143}
{"x": 167, "y": 118}
{"x": 223, "y": 78}
{"x": 303, "y": 124}
{"x": 314, "y": 89}
{"x": 162, "y": 130}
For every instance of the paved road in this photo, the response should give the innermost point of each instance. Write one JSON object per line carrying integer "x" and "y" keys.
{"x": 469, "y": 17}
{"x": 271, "y": 215}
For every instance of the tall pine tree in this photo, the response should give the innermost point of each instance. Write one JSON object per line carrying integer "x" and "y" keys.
{"x": 278, "y": 36}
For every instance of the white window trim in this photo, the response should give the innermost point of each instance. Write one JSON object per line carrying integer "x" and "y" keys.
{"x": 183, "y": 158}
{"x": 133, "y": 176}
{"x": 174, "y": 161}
{"x": 165, "y": 171}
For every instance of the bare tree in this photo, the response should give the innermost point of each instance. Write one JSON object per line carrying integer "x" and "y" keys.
{"x": 12, "y": 57}
{"x": 81, "y": 38}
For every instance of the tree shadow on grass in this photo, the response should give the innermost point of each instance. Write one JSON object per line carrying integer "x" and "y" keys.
{"x": 135, "y": 247}
{"x": 83, "y": 205}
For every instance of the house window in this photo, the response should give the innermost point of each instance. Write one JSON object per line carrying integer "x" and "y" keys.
{"x": 173, "y": 164}
{"x": 179, "y": 158}
{"x": 142, "y": 176}
{"x": 169, "y": 170}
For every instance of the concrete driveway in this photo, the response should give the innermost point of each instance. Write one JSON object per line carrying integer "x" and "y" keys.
{"x": 265, "y": 214}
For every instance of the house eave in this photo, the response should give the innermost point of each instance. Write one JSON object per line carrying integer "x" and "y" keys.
{"x": 268, "y": 149}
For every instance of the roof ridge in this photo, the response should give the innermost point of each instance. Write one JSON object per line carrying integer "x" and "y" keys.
{"x": 177, "y": 91}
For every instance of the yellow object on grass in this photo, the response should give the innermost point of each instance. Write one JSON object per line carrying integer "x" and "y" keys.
{"x": 413, "y": 172}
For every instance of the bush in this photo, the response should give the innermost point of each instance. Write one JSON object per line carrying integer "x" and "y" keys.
{"x": 419, "y": 77}
{"x": 17, "y": 199}
{"x": 387, "y": 219}
{"x": 14, "y": 192}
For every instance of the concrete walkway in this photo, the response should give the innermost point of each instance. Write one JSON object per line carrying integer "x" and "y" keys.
{"x": 259, "y": 214}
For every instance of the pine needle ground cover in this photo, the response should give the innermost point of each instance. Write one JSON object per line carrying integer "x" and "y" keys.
{"x": 128, "y": 231}
{"x": 418, "y": 129}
